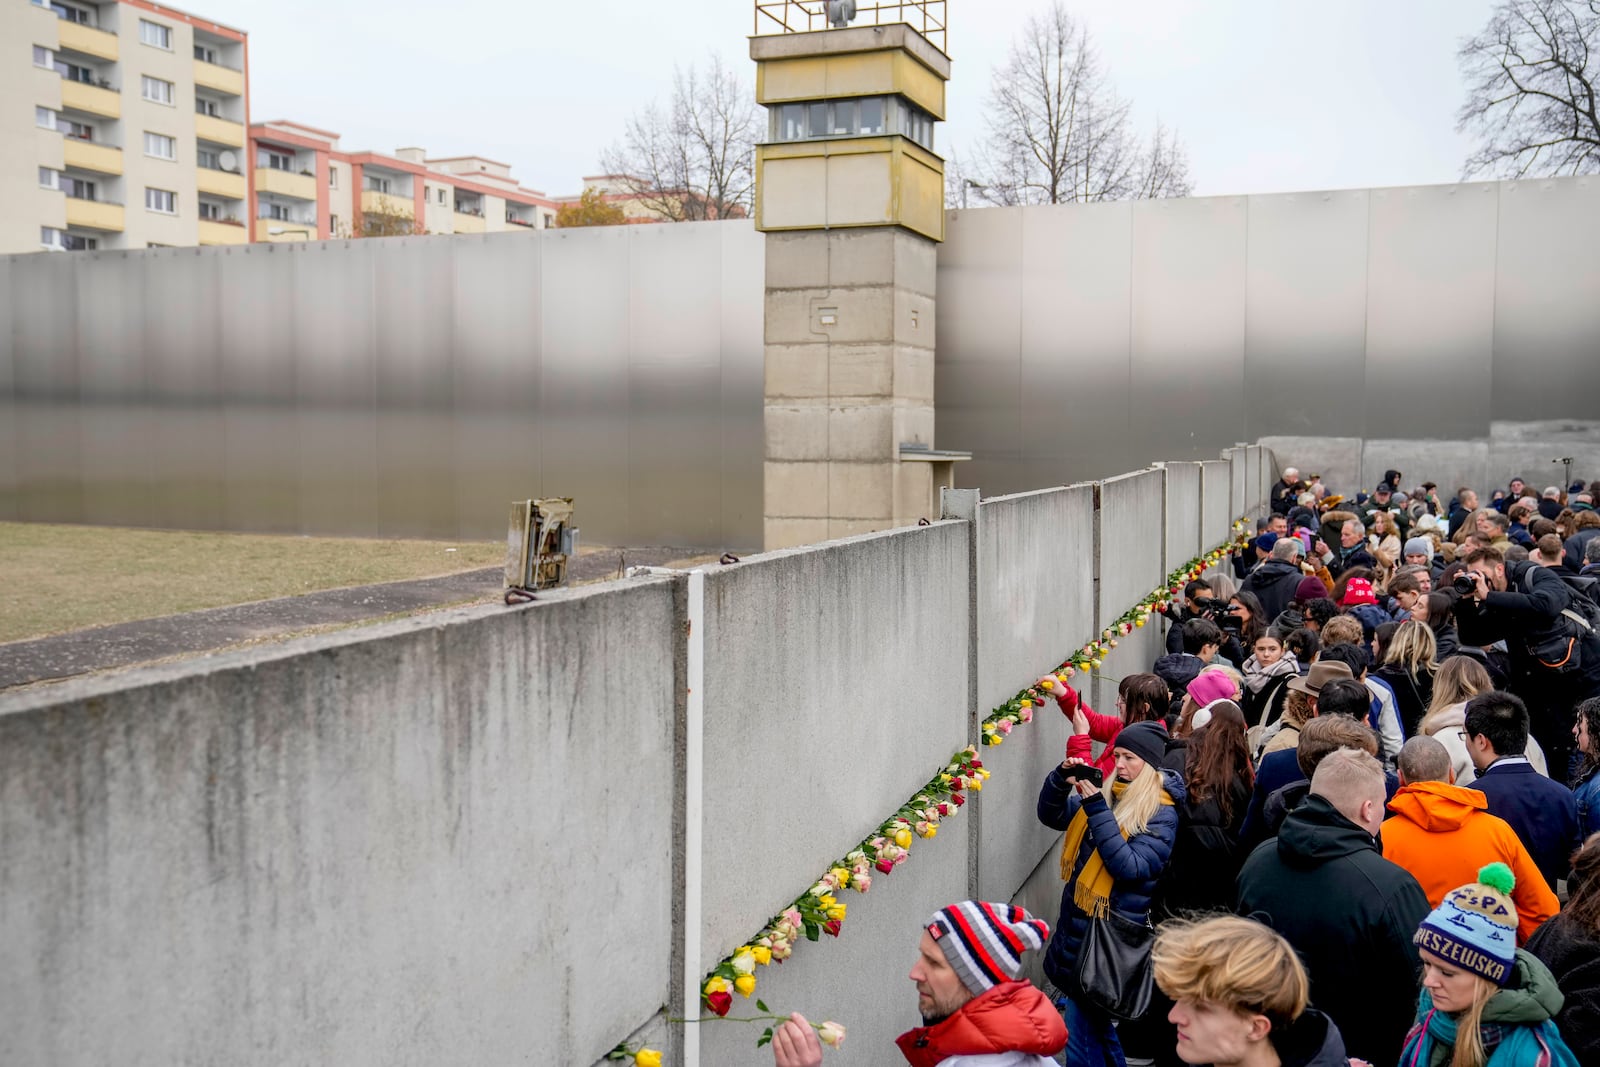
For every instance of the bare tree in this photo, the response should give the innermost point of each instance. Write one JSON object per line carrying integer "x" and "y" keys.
{"x": 695, "y": 159}
{"x": 1533, "y": 74}
{"x": 1058, "y": 132}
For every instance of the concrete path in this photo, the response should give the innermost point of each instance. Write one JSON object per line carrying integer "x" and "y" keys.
{"x": 129, "y": 643}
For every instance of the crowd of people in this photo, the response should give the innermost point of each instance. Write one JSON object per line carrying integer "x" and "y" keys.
{"x": 1352, "y": 814}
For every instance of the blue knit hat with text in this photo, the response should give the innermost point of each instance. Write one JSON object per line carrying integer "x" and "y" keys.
{"x": 1475, "y": 927}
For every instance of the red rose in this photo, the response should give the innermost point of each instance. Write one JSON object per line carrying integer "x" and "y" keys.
{"x": 885, "y": 865}
{"x": 719, "y": 1002}
{"x": 957, "y": 799}
{"x": 944, "y": 809}
{"x": 832, "y": 926}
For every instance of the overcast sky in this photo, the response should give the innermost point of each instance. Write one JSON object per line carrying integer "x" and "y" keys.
{"x": 1268, "y": 96}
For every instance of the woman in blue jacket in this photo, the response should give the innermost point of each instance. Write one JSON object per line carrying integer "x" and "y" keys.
{"x": 1118, "y": 840}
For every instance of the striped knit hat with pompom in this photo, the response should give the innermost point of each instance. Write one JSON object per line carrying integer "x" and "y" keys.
{"x": 1475, "y": 927}
{"x": 984, "y": 943}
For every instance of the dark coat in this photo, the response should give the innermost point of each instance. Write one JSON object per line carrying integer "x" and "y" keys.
{"x": 1282, "y": 496}
{"x": 1350, "y": 913}
{"x": 1266, "y": 707}
{"x": 1346, "y": 558}
{"x": 1542, "y": 812}
{"x": 1412, "y": 694}
{"x": 1178, "y": 670}
{"x": 1273, "y": 583}
{"x": 1573, "y": 955}
{"x": 1528, "y": 612}
{"x": 1135, "y": 864}
{"x": 1206, "y": 856}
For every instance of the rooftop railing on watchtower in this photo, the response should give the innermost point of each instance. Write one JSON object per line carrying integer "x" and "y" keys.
{"x": 928, "y": 17}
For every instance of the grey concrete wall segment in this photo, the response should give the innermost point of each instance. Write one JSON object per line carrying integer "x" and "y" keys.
{"x": 405, "y": 387}
{"x": 1238, "y": 480}
{"x": 1215, "y": 503}
{"x": 434, "y": 840}
{"x": 1132, "y": 528}
{"x": 1183, "y": 515}
{"x": 862, "y": 979}
{"x": 816, "y": 658}
{"x": 1041, "y": 895}
{"x": 1035, "y": 605}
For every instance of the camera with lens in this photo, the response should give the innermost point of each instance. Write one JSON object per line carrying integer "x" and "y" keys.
{"x": 1464, "y": 584}
{"x": 1219, "y": 612}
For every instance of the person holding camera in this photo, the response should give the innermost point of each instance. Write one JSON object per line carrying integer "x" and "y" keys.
{"x": 1118, "y": 841}
{"x": 1551, "y": 632}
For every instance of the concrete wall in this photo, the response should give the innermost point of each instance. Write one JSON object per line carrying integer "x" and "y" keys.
{"x": 1216, "y": 503}
{"x": 1035, "y": 596}
{"x": 1184, "y": 540}
{"x": 463, "y": 836}
{"x": 441, "y": 839}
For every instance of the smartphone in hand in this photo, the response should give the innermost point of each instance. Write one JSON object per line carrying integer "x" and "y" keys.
{"x": 1080, "y": 771}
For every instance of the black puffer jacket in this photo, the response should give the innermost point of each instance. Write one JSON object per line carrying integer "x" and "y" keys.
{"x": 1573, "y": 956}
{"x": 1135, "y": 864}
{"x": 1206, "y": 856}
{"x": 1525, "y": 615}
{"x": 1323, "y": 884}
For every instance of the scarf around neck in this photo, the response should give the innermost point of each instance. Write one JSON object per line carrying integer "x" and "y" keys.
{"x": 1256, "y": 676}
{"x": 1092, "y": 891}
{"x": 1432, "y": 1042}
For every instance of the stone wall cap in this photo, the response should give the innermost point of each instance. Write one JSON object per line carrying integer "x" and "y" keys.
{"x": 850, "y": 40}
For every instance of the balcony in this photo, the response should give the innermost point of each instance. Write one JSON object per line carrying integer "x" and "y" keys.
{"x": 77, "y": 96}
{"x": 94, "y": 215}
{"x": 387, "y": 204}
{"x": 465, "y": 222}
{"x": 286, "y": 183}
{"x": 219, "y": 183}
{"x": 87, "y": 39}
{"x": 219, "y": 79}
{"x": 219, "y": 131}
{"x": 214, "y": 232}
{"x": 86, "y": 155}
{"x": 277, "y": 231}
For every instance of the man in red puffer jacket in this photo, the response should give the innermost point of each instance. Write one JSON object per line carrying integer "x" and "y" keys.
{"x": 974, "y": 1008}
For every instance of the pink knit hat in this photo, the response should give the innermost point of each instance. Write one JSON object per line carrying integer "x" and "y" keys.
{"x": 1211, "y": 685}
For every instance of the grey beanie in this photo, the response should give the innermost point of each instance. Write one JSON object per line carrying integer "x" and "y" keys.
{"x": 1420, "y": 546}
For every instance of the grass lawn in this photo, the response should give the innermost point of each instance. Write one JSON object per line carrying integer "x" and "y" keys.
{"x": 59, "y": 578}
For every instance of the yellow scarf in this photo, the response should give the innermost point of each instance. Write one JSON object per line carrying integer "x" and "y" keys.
{"x": 1092, "y": 892}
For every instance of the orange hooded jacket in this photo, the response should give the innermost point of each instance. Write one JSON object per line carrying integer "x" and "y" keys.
{"x": 1443, "y": 834}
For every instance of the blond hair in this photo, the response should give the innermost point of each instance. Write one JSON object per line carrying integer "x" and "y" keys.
{"x": 1460, "y": 678}
{"x": 1346, "y": 778}
{"x": 1139, "y": 802}
{"x": 1413, "y": 648}
{"x": 1236, "y": 963}
{"x": 1341, "y": 630}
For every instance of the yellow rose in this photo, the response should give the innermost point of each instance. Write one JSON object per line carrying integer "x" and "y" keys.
{"x": 836, "y": 911}
{"x": 745, "y": 984}
{"x": 763, "y": 955}
{"x": 976, "y": 784}
{"x": 647, "y": 1057}
{"x": 841, "y": 875}
{"x": 744, "y": 960}
{"x": 717, "y": 984}
{"x": 902, "y": 838}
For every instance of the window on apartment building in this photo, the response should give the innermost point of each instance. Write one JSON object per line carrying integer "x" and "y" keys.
{"x": 153, "y": 33}
{"x": 210, "y": 210}
{"x": 77, "y": 188}
{"x": 270, "y": 210}
{"x": 160, "y": 146}
{"x": 162, "y": 201}
{"x": 202, "y": 106}
{"x": 83, "y": 75}
{"x": 42, "y": 57}
{"x": 44, "y": 118}
{"x": 549, "y": 220}
{"x": 205, "y": 54}
{"x": 207, "y": 158}
{"x": 47, "y": 178}
{"x": 333, "y": 225}
{"x": 67, "y": 12}
{"x": 155, "y": 89}
{"x": 76, "y": 130}
{"x": 333, "y": 176}
{"x": 376, "y": 185}
{"x": 275, "y": 160}
{"x": 67, "y": 242}
{"x": 441, "y": 196}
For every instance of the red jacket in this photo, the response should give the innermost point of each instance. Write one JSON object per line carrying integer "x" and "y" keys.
{"x": 1011, "y": 1017}
{"x": 1103, "y": 728}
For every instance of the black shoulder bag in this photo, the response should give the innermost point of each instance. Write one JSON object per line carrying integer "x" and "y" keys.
{"x": 1114, "y": 969}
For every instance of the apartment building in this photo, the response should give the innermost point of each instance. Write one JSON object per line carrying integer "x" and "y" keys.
{"x": 307, "y": 188}
{"x": 124, "y": 125}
